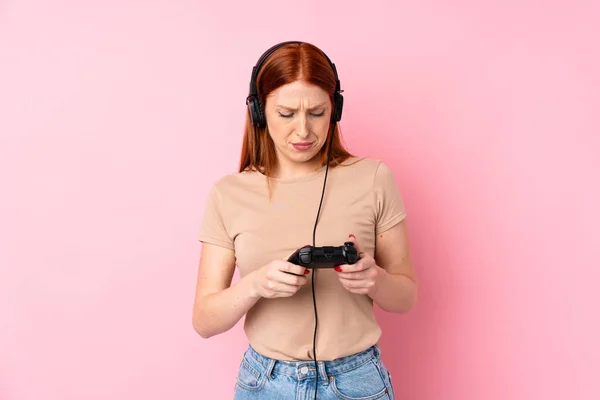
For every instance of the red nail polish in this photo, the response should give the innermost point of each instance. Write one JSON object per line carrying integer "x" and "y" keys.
{"x": 338, "y": 269}
{"x": 352, "y": 236}
{"x": 306, "y": 271}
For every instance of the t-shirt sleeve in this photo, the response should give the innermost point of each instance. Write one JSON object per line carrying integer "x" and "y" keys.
{"x": 389, "y": 206}
{"x": 213, "y": 227}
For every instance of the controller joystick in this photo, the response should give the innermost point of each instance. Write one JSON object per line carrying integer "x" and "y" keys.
{"x": 325, "y": 256}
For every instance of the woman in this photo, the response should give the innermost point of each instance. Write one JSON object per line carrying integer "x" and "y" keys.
{"x": 259, "y": 216}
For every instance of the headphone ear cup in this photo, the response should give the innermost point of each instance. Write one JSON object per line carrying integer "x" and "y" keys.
{"x": 262, "y": 121}
{"x": 256, "y": 113}
{"x": 338, "y": 106}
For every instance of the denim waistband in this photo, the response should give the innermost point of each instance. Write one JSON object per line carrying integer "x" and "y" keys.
{"x": 306, "y": 369}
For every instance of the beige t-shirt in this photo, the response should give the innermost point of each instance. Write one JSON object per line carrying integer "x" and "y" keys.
{"x": 361, "y": 198}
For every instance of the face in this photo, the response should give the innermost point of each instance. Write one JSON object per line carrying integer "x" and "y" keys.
{"x": 298, "y": 119}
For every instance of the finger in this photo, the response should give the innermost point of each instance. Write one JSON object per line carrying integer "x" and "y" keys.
{"x": 356, "y": 284}
{"x": 305, "y": 272}
{"x": 280, "y": 288}
{"x": 285, "y": 289}
{"x": 353, "y": 239}
{"x": 354, "y": 276}
{"x": 361, "y": 265}
{"x": 292, "y": 268}
{"x": 290, "y": 279}
{"x": 358, "y": 291}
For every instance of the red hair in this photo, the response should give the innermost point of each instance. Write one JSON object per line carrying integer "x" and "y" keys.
{"x": 288, "y": 64}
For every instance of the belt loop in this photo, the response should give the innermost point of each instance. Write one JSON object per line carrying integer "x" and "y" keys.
{"x": 322, "y": 372}
{"x": 270, "y": 367}
{"x": 376, "y": 351}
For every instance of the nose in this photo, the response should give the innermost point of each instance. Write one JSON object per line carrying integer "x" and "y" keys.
{"x": 303, "y": 128}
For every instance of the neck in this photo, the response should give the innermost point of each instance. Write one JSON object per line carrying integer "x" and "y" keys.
{"x": 286, "y": 169}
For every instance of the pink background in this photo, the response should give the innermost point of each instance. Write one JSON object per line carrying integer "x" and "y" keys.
{"x": 116, "y": 117}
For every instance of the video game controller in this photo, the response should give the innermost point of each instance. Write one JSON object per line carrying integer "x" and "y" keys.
{"x": 325, "y": 256}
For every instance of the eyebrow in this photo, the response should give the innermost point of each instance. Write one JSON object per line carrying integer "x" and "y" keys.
{"x": 295, "y": 109}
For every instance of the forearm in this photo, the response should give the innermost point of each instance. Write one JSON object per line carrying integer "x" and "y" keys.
{"x": 218, "y": 312}
{"x": 394, "y": 292}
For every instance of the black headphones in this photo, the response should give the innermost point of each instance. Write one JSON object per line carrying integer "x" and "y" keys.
{"x": 257, "y": 114}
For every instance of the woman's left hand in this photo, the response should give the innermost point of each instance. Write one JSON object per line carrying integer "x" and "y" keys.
{"x": 361, "y": 277}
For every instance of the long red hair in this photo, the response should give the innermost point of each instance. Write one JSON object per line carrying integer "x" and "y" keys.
{"x": 285, "y": 65}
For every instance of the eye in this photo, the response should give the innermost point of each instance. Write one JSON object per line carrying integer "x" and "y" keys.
{"x": 318, "y": 115}
{"x": 286, "y": 115}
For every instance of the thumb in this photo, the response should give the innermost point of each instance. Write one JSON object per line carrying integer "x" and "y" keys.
{"x": 352, "y": 238}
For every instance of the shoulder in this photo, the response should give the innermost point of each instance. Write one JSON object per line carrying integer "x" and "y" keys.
{"x": 235, "y": 185}
{"x": 365, "y": 167}
{"x": 236, "y": 181}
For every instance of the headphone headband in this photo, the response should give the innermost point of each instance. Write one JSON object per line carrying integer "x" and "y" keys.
{"x": 253, "y": 102}
{"x": 253, "y": 89}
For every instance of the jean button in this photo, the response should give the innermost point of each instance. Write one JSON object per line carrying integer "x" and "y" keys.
{"x": 304, "y": 370}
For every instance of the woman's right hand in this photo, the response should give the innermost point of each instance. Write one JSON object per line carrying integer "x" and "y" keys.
{"x": 278, "y": 278}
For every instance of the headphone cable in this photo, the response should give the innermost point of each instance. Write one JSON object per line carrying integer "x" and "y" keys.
{"x": 315, "y": 270}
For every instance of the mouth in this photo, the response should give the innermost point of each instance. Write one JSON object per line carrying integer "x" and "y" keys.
{"x": 302, "y": 146}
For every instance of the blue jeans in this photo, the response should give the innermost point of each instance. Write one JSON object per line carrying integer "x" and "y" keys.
{"x": 361, "y": 376}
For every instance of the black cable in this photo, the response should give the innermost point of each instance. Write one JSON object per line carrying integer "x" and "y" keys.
{"x": 314, "y": 271}
{"x": 315, "y": 337}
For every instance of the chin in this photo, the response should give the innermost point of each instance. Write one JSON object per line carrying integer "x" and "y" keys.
{"x": 303, "y": 156}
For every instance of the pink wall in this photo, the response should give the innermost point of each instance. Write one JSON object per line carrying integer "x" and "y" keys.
{"x": 116, "y": 117}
